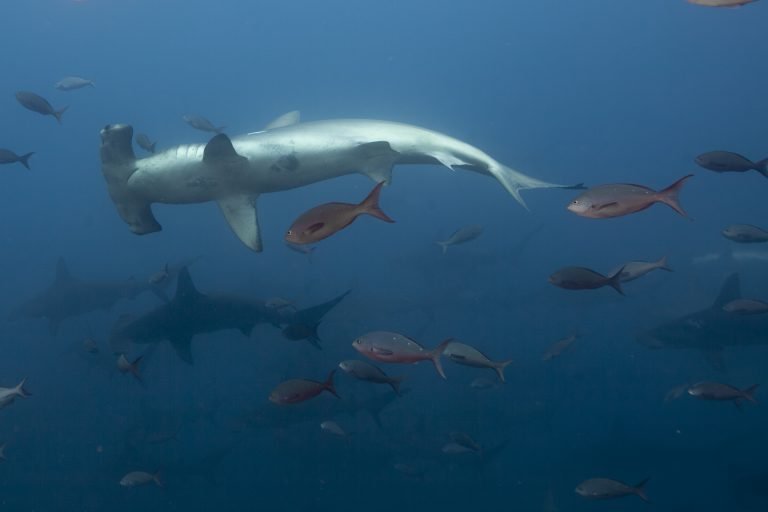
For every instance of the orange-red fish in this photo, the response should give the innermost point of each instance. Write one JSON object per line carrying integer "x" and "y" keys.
{"x": 323, "y": 221}
{"x": 299, "y": 390}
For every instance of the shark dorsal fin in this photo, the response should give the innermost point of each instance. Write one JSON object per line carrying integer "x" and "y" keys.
{"x": 287, "y": 119}
{"x": 185, "y": 288}
{"x": 62, "y": 271}
{"x": 220, "y": 151}
{"x": 731, "y": 290}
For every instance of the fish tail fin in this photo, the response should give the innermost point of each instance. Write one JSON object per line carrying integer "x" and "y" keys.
{"x": 669, "y": 196}
{"x": 20, "y": 390}
{"x": 749, "y": 393}
{"x": 436, "y": 354}
{"x": 762, "y": 167}
{"x": 395, "y": 383}
{"x": 59, "y": 113}
{"x": 328, "y": 384}
{"x": 499, "y": 367}
{"x": 24, "y": 159}
{"x": 663, "y": 264}
{"x": 443, "y": 246}
{"x": 370, "y": 204}
{"x": 640, "y": 490}
{"x": 515, "y": 181}
{"x": 614, "y": 281}
{"x": 134, "y": 367}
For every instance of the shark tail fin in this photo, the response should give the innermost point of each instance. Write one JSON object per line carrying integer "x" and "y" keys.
{"x": 24, "y": 159}
{"x": 515, "y": 181}
{"x": 639, "y": 489}
{"x": 329, "y": 386}
{"x": 499, "y": 367}
{"x": 118, "y": 163}
{"x": 614, "y": 281}
{"x": 58, "y": 114}
{"x": 436, "y": 354}
{"x": 134, "y": 368}
{"x": 663, "y": 264}
{"x": 20, "y": 390}
{"x": 669, "y": 196}
{"x": 749, "y": 393}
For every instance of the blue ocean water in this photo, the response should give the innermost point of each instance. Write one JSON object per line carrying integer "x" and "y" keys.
{"x": 569, "y": 92}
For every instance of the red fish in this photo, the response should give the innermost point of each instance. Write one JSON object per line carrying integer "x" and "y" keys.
{"x": 295, "y": 391}
{"x": 323, "y": 221}
{"x": 391, "y": 347}
{"x": 618, "y": 199}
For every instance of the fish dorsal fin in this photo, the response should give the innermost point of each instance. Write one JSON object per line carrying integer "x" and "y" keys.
{"x": 377, "y": 159}
{"x": 220, "y": 152}
{"x": 731, "y": 290}
{"x": 185, "y": 289}
{"x": 287, "y": 119}
{"x": 62, "y": 271}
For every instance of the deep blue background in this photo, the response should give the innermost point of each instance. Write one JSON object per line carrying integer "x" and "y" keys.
{"x": 566, "y": 91}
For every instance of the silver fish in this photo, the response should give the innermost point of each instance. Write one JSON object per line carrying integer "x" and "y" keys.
{"x": 331, "y": 427}
{"x": 745, "y": 234}
{"x": 606, "y": 488}
{"x": 8, "y": 395}
{"x": 559, "y": 347}
{"x": 145, "y": 143}
{"x": 201, "y": 123}
{"x": 37, "y": 103}
{"x": 466, "y": 355}
{"x": 136, "y": 478}
{"x": 461, "y": 236}
{"x": 721, "y": 392}
{"x": 391, "y": 347}
{"x": 635, "y": 269}
{"x": 581, "y": 278}
{"x": 362, "y": 370}
{"x": 70, "y": 83}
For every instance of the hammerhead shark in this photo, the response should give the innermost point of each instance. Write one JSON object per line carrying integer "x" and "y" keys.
{"x": 287, "y": 154}
{"x": 191, "y": 312}
{"x": 711, "y": 329}
{"x": 70, "y": 296}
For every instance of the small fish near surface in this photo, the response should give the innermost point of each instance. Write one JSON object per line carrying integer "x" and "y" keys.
{"x": 327, "y": 219}
{"x": 636, "y": 269}
{"x": 581, "y": 278}
{"x": 721, "y": 3}
{"x": 362, "y": 370}
{"x": 37, "y": 103}
{"x": 70, "y": 83}
{"x": 138, "y": 478}
{"x": 295, "y": 391}
{"x": 145, "y": 143}
{"x": 726, "y": 161}
{"x": 722, "y": 392}
{"x": 461, "y": 236}
{"x": 467, "y": 355}
{"x": 8, "y": 395}
{"x": 391, "y": 347}
{"x": 606, "y": 488}
{"x": 746, "y": 307}
{"x": 745, "y": 234}
{"x": 201, "y": 123}
{"x": 559, "y": 347}
{"x": 619, "y": 199}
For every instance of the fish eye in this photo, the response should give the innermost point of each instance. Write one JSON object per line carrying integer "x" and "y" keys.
{"x": 290, "y": 232}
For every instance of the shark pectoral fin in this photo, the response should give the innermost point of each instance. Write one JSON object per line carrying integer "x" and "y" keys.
{"x": 287, "y": 119}
{"x": 220, "y": 152}
{"x": 240, "y": 212}
{"x": 377, "y": 160}
{"x": 183, "y": 347}
{"x": 137, "y": 214}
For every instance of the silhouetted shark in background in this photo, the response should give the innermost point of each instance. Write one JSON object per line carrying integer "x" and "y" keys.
{"x": 191, "y": 312}
{"x": 70, "y": 296}
{"x": 712, "y": 329}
